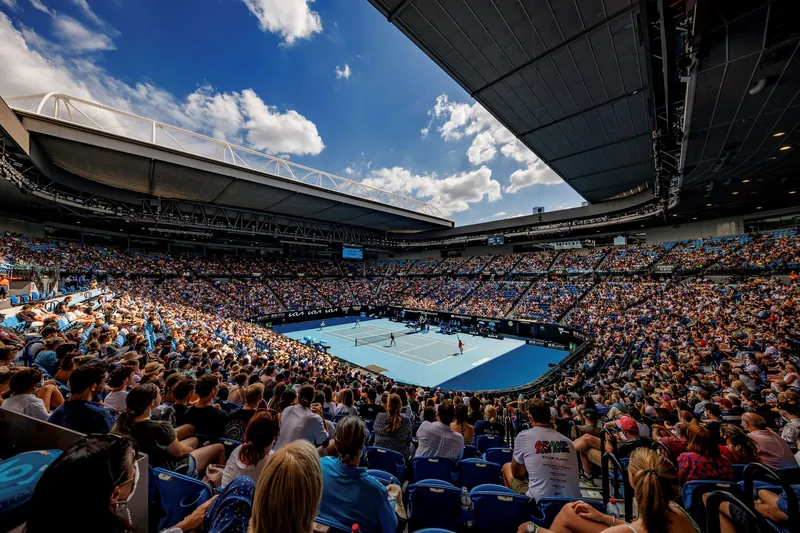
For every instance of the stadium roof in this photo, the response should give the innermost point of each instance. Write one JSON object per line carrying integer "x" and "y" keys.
{"x": 569, "y": 79}
{"x": 91, "y": 147}
{"x": 743, "y": 149}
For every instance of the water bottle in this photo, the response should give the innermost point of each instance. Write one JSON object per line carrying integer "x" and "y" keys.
{"x": 466, "y": 503}
{"x": 612, "y": 509}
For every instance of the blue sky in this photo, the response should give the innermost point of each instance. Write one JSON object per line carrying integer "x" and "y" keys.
{"x": 326, "y": 83}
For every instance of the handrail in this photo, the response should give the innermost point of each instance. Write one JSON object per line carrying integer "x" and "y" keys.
{"x": 107, "y": 119}
{"x": 626, "y": 484}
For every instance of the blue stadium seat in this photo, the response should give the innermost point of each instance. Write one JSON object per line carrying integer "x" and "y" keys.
{"x": 385, "y": 478}
{"x": 434, "y": 504}
{"x": 230, "y": 445}
{"x": 484, "y": 442}
{"x": 498, "y": 509}
{"x": 25, "y": 298}
{"x": 471, "y": 452}
{"x": 500, "y": 456}
{"x": 385, "y": 459}
{"x": 14, "y": 300}
{"x": 329, "y": 525}
{"x": 432, "y": 468}
{"x": 35, "y": 296}
{"x": 18, "y": 477}
{"x": 179, "y": 495}
{"x": 548, "y": 508}
{"x": 692, "y": 493}
{"x": 474, "y": 472}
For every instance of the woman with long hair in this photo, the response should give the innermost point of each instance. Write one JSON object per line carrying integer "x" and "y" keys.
{"x": 739, "y": 448}
{"x": 87, "y": 488}
{"x": 298, "y": 421}
{"x": 249, "y": 458}
{"x": 392, "y": 430}
{"x": 460, "y": 424}
{"x": 489, "y": 425}
{"x": 347, "y": 407}
{"x": 167, "y": 447}
{"x": 275, "y": 401}
{"x": 702, "y": 458}
{"x": 349, "y": 494}
{"x": 655, "y": 487}
{"x": 287, "y": 399}
{"x": 288, "y": 492}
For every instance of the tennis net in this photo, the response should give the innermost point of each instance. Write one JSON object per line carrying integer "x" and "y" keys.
{"x": 375, "y": 338}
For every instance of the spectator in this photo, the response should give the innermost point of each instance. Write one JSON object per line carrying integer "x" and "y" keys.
{"x": 544, "y": 463}
{"x": 436, "y": 439}
{"x": 238, "y": 393}
{"x": 22, "y": 385}
{"x": 739, "y": 448}
{"x": 655, "y": 486}
{"x": 166, "y": 447}
{"x": 299, "y": 422}
{"x": 288, "y": 492}
{"x": 791, "y": 427}
{"x": 181, "y": 395}
{"x": 119, "y": 381}
{"x": 392, "y": 430}
{"x": 702, "y": 459}
{"x": 349, "y": 494}
{"x": 627, "y": 439}
{"x": 87, "y": 488}
{"x": 205, "y": 417}
{"x": 475, "y": 411}
{"x": 248, "y": 459}
{"x": 79, "y": 413}
{"x": 489, "y": 425}
{"x": 772, "y": 450}
{"x": 238, "y": 420}
{"x": 675, "y": 439}
{"x": 589, "y": 426}
{"x": 346, "y": 407}
{"x": 460, "y": 425}
{"x": 369, "y": 410}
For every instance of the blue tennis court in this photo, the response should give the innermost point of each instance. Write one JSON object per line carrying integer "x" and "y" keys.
{"x": 430, "y": 359}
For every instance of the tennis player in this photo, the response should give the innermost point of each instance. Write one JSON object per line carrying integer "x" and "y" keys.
{"x": 357, "y": 324}
{"x": 392, "y": 340}
{"x": 322, "y": 325}
{"x": 460, "y": 346}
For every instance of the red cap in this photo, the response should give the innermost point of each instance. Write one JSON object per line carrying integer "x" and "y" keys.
{"x": 628, "y": 424}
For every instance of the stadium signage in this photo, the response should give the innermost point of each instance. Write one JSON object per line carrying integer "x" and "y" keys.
{"x": 547, "y": 344}
{"x": 559, "y": 272}
{"x": 664, "y": 269}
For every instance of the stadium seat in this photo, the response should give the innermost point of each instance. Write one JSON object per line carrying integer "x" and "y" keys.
{"x": 500, "y": 456}
{"x": 384, "y": 477}
{"x": 547, "y": 509}
{"x": 474, "y": 472}
{"x": 329, "y": 525}
{"x": 14, "y": 300}
{"x": 498, "y": 509}
{"x": 432, "y": 468}
{"x": 230, "y": 445}
{"x": 484, "y": 442}
{"x": 471, "y": 452}
{"x": 229, "y": 407}
{"x": 385, "y": 459}
{"x": 692, "y": 493}
{"x": 178, "y": 494}
{"x": 434, "y": 504}
{"x": 18, "y": 477}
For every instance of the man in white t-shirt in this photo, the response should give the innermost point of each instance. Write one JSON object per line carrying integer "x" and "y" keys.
{"x": 544, "y": 462}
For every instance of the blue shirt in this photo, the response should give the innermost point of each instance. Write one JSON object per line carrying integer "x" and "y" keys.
{"x": 351, "y": 496}
{"x": 83, "y": 416}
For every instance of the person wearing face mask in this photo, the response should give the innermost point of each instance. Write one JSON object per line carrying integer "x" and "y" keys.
{"x": 101, "y": 473}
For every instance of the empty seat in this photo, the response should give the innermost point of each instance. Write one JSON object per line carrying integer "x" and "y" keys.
{"x": 433, "y": 468}
{"x": 385, "y": 459}
{"x": 434, "y": 504}
{"x": 484, "y": 442}
{"x": 500, "y": 456}
{"x": 178, "y": 494}
{"x": 18, "y": 477}
{"x": 498, "y": 509}
{"x": 474, "y": 472}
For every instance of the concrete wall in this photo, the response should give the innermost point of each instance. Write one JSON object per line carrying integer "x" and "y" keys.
{"x": 15, "y": 225}
{"x": 696, "y": 230}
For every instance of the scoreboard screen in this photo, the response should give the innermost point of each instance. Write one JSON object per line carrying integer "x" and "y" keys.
{"x": 352, "y": 253}
{"x": 496, "y": 240}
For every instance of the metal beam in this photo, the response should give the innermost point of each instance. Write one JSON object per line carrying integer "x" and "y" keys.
{"x": 561, "y": 45}
{"x": 394, "y": 13}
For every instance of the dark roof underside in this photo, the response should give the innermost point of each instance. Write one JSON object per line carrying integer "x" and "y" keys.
{"x": 568, "y": 78}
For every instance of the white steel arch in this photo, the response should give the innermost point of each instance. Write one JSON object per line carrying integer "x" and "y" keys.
{"x": 97, "y": 116}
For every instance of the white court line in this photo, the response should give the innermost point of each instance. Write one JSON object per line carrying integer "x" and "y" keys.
{"x": 445, "y": 359}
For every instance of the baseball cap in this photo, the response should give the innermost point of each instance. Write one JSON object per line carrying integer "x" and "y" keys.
{"x": 628, "y": 424}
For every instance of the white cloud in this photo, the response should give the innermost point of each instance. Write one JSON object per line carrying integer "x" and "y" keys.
{"x": 349, "y": 171}
{"x": 343, "y": 72}
{"x": 37, "y": 4}
{"x": 500, "y": 214}
{"x": 424, "y": 131}
{"x": 11, "y": 4}
{"x": 96, "y": 20}
{"x": 32, "y": 65}
{"x": 537, "y": 174}
{"x": 457, "y": 120}
{"x": 291, "y": 19}
{"x": 77, "y": 37}
{"x": 451, "y": 194}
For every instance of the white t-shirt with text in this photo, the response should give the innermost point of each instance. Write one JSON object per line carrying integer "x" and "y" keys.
{"x": 551, "y": 462}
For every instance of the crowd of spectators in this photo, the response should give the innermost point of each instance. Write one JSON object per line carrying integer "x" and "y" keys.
{"x": 423, "y": 267}
{"x": 335, "y": 291}
{"x": 534, "y": 262}
{"x": 631, "y": 258}
{"x": 493, "y": 299}
{"x": 549, "y": 300}
{"x": 579, "y": 260}
{"x": 708, "y": 368}
{"x": 501, "y": 265}
{"x": 698, "y": 254}
{"x": 773, "y": 250}
{"x": 474, "y": 264}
